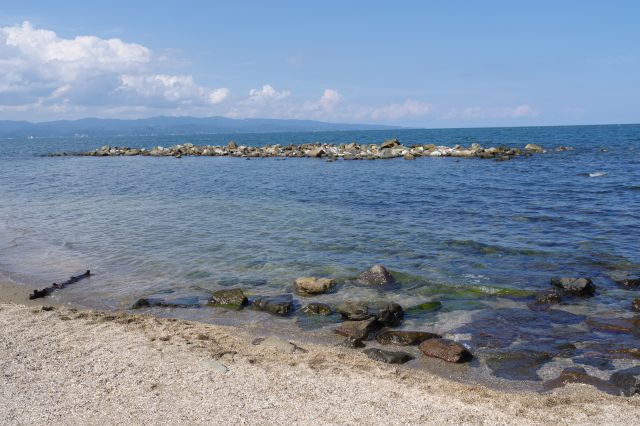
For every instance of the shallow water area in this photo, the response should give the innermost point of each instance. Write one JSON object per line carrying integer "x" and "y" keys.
{"x": 480, "y": 237}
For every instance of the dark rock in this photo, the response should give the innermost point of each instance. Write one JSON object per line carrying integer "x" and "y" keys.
{"x": 390, "y": 143}
{"x": 355, "y": 311}
{"x": 389, "y": 314}
{"x": 232, "y": 298}
{"x": 575, "y": 286}
{"x": 278, "y": 305}
{"x": 358, "y": 329}
{"x": 352, "y": 343}
{"x": 517, "y": 365}
{"x": 627, "y": 381}
{"x": 578, "y": 375}
{"x": 388, "y": 357}
{"x": 377, "y": 275}
{"x": 445, "y": 349}
{"x": 404, "y": 338}
{"x": 630, "y": 282}
{"x": 635, "y": 305}
{"x": 183, "y": 302}
{"x": 308, "y": 286}
{"x": 317, "y": 309}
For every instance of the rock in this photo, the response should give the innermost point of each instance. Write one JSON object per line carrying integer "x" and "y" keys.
{"x": 278, "y": 305}
{"x": 548, "y": 298}
{"x": 232, "y": 298}
{"x": 575, "y": 286}
{"x": 316, "y": 153}
{"x": 358, "y": 329}
{"x": 307, "y": 286}
{"x": 409, "y": 156}
{"x": 627, "y": 381}
{"x": 389, "y": 314}
{"x": 405, "y": 338}
{"x": 577, "y": 375}
{"x": 152, "y": 302}
{"x": 390, "y": 143}
{"x": 377, "y": 275}
{"x": 317, "y": 309}
{"x": 635, "y": 305}
{"x": 445, "y": 349}
{"x": 355, "y": 311}
{"x": 628, "y": 281}
{"x": 352, "y": 343}
{"x": 232, "y": 145}
{"x": 388, "y": 357}
{"x": 533, "y": 147}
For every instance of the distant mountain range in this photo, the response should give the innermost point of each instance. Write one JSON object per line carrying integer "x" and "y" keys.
{"x": 169, "y": 126}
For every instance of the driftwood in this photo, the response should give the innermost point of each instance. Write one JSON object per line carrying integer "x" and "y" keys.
{"x": 55, "y": 286}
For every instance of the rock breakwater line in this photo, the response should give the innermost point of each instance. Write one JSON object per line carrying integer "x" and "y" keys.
{"x": 391, "y": 148}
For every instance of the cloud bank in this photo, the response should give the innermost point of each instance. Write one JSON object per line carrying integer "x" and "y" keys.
{"x": 45, "y": 76}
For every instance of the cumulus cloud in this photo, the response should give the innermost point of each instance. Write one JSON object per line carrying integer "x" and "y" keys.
{"x": 40, "y": 70}
{"x": 481, "y": 113}
{"x": 267, "y": 94}
{"x": 395, "y": 111}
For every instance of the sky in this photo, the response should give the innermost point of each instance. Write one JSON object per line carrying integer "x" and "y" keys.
{"x": 409, "y": 63}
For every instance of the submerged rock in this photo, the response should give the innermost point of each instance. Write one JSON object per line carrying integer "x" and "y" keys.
{"x": 308, "y": 286}
{"x": 635, "y": 305}
{"x": 628, "y": 281}
{"x": 578, "y": 375}
{"x": 377, "y": 275}
{"x": 278, "y": 305}
{"x": 232, "y": 298}
{"x": 405, "y": 338}
{"x": 352, "y": 343}
{"x": 151, "y": 302}
{"x": 575, "y": 286}
{"x": 317, "y": 309}
{"x": 445, "y": 349}
{"x": 358, "y": 329}
{"x": 388, "y": 357}
{"x": 548, "y": 298}
{"x": 425, "y": 307}
{"x": 533, "y": 147}
{"x": 627, "y": 381}
{"x": 517, "y": 365}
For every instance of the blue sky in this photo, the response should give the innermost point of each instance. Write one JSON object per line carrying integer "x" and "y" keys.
{"x": 414, "y": 63}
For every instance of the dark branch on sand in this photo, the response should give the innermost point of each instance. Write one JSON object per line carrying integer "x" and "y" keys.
{"x": 55, "y": 286}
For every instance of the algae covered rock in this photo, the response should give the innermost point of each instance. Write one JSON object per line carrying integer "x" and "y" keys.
{"x": 317, "y": 309}
{"x": 229, "y": 298}
{"x": 405, "y": 338}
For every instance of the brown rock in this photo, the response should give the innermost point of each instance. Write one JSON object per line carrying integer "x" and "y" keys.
{"x": 405, "y": 338}
{"x": 390, "y": 143}
{"x": 358, "y": 329}
{"x": 445, "y": 349}
{"x": 635, "y": 305}
{"x": 311, "y": 285}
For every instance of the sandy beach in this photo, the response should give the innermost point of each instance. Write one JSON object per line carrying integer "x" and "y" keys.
{"x": 62, "y": 365}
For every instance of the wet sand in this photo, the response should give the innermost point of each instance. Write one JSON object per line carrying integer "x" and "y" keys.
{"x": 69, "y": 366}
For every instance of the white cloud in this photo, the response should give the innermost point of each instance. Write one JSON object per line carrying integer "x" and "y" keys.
{"x": 409, "y": 108}
{"x": 41, "y": 71}
{"x": 482, "y": 113}
{"x": 267, "y": 94}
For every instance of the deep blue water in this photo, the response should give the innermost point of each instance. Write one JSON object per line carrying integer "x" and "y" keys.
{"x": 479, "y": 236}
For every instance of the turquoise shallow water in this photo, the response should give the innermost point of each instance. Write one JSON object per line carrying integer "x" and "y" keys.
{"x": 479, "y": 236}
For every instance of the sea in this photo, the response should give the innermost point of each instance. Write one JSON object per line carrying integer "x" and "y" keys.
{"x": 480, "y": 237}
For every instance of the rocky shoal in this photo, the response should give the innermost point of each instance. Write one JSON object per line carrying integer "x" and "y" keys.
{"x": 391, "y": 148}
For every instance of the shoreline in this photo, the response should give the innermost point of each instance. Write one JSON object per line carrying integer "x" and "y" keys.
{"x": 65, "y": 365}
